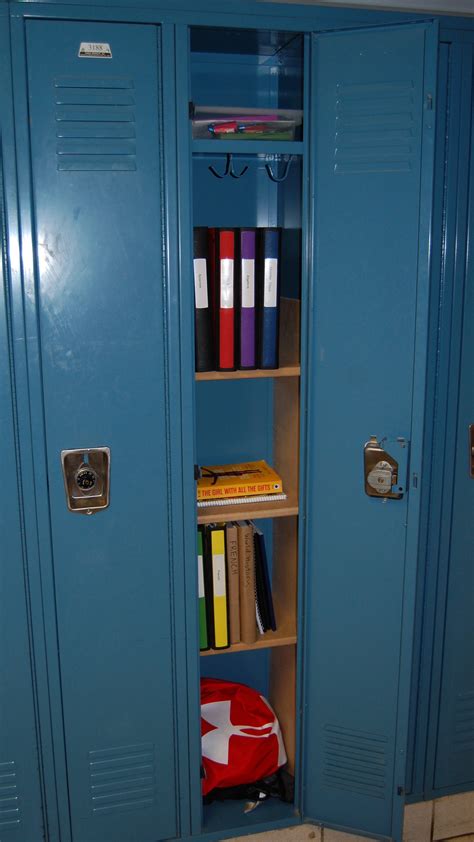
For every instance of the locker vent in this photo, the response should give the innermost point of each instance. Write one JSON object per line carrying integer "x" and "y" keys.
{"x": 375, "y": 128}
{"x": 95, "y": 124}
{"x": 10, "y": 815}
{"x": 122, "y": 778}
{"x": 355, "y": 761}
{"x": 463, "y": 738}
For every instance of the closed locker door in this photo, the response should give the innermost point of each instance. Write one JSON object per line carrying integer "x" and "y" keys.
{"x": 21, "y": 818}
{"x": 94, "y": 108}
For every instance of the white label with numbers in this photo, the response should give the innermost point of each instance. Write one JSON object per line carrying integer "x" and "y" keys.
{"x": 92, "y": 49}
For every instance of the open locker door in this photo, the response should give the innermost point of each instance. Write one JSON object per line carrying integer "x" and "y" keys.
{"x": 372, "y": 137}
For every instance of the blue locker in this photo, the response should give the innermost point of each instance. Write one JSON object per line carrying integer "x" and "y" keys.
{"x": 450, "y": 756}
{"x": 106, "y": 370}
{"x": 454, "y": 728}
{"x": 441, "y": 707}
{"x": 99, "y": 292}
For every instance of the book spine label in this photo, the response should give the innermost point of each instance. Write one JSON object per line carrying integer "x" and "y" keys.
{"x": 270, "y": 282}
{"x": 200, "y": 283}
{"x": 248, "y": 283}
{"x": 233, "y": 577}
{"x": 248, "y": 624}
{"x": 227, "y": 283}
{"x": 219, "y": 589}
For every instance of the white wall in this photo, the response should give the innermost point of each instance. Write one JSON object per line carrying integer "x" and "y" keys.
{"x": 454, "y": 7}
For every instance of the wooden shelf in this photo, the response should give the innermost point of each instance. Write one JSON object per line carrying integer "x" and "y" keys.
{"x": 248, "y": 511}
{"x": 257, "y": 147}
{"x": 284, "y": 371}
{"x": 267, "y": 641}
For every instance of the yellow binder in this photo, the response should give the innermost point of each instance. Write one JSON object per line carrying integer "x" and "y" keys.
{"x": 219, "y": 586}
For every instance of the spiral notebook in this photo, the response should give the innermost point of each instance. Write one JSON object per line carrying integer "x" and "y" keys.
{"x": 230, "y": 501}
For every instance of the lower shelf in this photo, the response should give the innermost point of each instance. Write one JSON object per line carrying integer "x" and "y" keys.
{"x": 269, "y": 640}
{"x": 227, "y": 815}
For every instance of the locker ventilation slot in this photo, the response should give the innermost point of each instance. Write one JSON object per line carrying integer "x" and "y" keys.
{"x": 463, "y": 738}
{"x": 10, "y": 815}
{"x": 122, "y": 778}
{"x": 95, "y": 124}
{"x": 375, "y": 128}
{"x": 355, "y": 761}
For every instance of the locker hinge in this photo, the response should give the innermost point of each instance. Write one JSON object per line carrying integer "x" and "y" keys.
{"x": 400, "y": 790}
{"x": 429, "y": 102}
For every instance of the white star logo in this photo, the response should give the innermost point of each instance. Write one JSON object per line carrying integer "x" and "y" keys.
{"x": 215, "y": 744}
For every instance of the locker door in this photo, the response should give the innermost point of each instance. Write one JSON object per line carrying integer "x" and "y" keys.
{"x": 21, "y": 818}
{"x": 372, "y": 138}
{"x": 94, "y": 100}
{"x": 452, "y": 726}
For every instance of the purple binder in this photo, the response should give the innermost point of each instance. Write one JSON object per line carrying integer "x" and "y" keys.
{"x": 247, "y": 357}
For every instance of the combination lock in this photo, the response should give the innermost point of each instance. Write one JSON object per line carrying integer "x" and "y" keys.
{"x": 86, "y": 478}
{"x": 86, "y": 474}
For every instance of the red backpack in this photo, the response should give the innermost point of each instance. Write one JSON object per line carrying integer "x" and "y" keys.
{"x": 241, "y": 737}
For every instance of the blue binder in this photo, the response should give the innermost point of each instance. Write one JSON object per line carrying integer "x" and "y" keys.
{"x": 269, "y": 297}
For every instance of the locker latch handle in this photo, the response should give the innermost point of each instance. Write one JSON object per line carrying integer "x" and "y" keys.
{"x": 384, "y": 475}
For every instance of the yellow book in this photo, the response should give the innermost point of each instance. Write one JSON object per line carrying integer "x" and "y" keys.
{"x": 219, "y": 587}
{"x": 241, "y": 480}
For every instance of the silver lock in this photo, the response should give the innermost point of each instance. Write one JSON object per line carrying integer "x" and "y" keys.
{"x": 86, "y": 474}
{"x": 380, "y": 478}
{"x": 382, "y": 473}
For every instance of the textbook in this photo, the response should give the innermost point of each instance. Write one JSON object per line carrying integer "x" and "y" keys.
{"x": 248, "y": 619}
{"x": 243, "y": 479}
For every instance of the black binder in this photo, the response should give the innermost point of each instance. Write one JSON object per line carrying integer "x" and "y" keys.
{"x": 263, "y": 587}
{"x": 204, "y": 341}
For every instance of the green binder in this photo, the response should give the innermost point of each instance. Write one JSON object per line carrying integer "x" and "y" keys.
{"x": 203, "y": 636}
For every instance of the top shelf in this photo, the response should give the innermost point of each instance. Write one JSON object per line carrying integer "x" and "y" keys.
{"x": 257, "y": 147}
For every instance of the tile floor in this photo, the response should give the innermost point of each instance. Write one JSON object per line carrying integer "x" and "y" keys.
{"x": 449, "y": 819}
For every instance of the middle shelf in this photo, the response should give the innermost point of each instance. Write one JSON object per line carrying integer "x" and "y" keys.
{"x": 249, "y": 511}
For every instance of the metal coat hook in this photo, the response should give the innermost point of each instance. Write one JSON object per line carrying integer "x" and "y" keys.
{"x": 233, "y": 173}
{"x": 277, "y": 178}
{"x": 229, "y": 169}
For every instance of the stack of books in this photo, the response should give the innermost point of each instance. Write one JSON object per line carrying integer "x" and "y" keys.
{"x": 235, "y": 596}
{"x": 237, "y": 298}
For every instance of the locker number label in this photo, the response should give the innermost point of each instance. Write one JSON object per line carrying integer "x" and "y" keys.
{"x": 89, "y": 49}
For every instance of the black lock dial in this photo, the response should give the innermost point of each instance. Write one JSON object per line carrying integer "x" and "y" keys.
{"x": 86, "y": 479}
